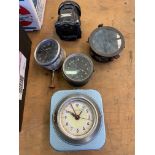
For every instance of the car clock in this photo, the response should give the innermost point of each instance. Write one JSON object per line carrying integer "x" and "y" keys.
{"x": 77, "y": 69}
{"x": 106, "y": 43}
{"x": 77, "y": 120}
{"x": 50, "y": 55}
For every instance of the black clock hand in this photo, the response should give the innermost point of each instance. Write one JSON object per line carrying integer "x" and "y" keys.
{"x": 73, "y": 110}
{"x": 71, "y": 113}
{"x": 80, "y": 113}
{"x": 74, "y": 115}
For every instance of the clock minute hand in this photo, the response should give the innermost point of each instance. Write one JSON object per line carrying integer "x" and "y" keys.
{"x": 73, "y": 110}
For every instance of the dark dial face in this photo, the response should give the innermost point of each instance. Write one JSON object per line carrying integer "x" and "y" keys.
{"x": 106, "y": 41}
{"x": 78, "y": 67}
{"x": 47, "y": 51}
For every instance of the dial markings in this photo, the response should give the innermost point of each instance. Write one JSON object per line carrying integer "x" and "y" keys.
{"x": 77, "y": 130}
{"x": 77, "y": 118}
{"x": 77, "y": 105}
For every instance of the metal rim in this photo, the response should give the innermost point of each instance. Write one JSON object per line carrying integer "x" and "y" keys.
{"x": 41, "y": 43}
{"x": 94, "y": 130}
{"x": 104, "y": 54}
{"x": 82, "y": 55}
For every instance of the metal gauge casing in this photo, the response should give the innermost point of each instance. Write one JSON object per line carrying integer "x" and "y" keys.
{"x": 77, "y": 69}
{"x": 68, "y": 25}
{"x": 49, "y": 54}
{"x": 60, "y": 129}
{"x": 106, "y": 43}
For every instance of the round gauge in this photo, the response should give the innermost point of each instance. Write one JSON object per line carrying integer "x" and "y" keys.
{"x": 49, "y": 54}
{"x": 77, "y": 69}
{"x": 77, "y": 119}
{"x": 47, "y": 51}
{"x": 106, "y": 43}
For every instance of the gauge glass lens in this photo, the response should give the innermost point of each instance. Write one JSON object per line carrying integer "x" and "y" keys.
{"x": 77, "y": 118}
{"x": 78, "y": 68}
{"x": 47, "y": 51}
{"x": 106, "y": 41}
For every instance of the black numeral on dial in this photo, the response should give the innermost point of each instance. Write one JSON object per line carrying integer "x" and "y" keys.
{"x": 83, "y": 107}
{"x": 77, "y": 130}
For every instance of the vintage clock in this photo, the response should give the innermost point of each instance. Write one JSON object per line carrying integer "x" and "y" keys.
{"x": 77, "y": 69}
{"x": 50, "y": 55}
{"x": 77, "y": 120}
{"x": 106, "y": 43}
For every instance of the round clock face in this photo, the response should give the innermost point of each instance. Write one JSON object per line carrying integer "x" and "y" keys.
{"x": 47, "y": 51}
{"x": 106, "y": 41}
{"x": 78, "y": 119}
{"x": 77, "y": 68}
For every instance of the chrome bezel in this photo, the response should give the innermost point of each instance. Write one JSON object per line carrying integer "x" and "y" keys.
{"x": 74, "y": 139}
{"x": 40, "y": 44}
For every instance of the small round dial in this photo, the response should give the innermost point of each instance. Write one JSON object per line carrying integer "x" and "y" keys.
{"x": 106, "y": 41}
{"x": 47, "y": 51}
{"x": 78, "y": 119}
{"x": 77, "y": 68}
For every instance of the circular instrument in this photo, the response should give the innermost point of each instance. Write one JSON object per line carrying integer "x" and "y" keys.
{"x": 77, "y": 119}
{"x": 77, "y": 69}
{"x": 49, "y": 54}
{"x": 106, "y": 43}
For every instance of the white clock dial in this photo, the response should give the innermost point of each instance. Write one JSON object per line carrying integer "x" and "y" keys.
{"x": 78, "y": 119}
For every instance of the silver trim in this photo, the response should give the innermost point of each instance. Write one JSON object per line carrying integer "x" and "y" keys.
{"x": 93, "y": 131}
{"x": 36, "y": 49}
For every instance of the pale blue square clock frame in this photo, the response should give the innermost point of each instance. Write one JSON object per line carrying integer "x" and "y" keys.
{"x": 57, "y": 143}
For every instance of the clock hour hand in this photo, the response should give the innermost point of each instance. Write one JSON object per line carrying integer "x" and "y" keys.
{"x": 74, "y": 115}
{"x": 71, "y": 113}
